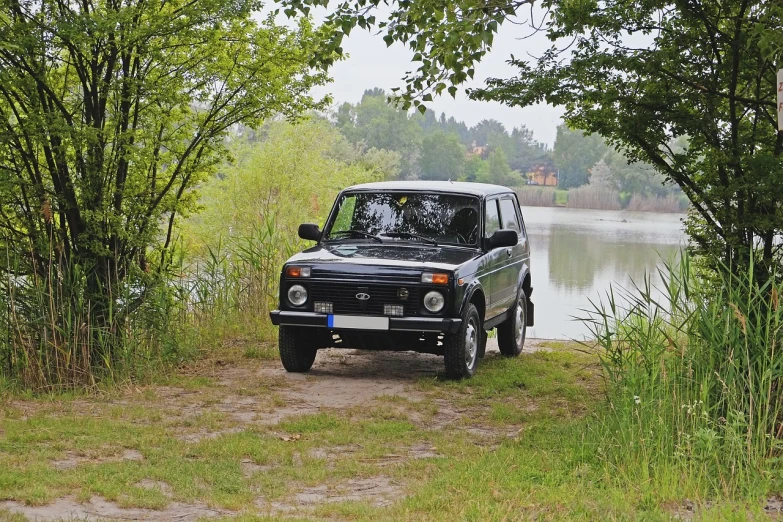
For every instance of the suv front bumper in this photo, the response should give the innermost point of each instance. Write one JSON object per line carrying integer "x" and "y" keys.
{"x": 400, "y": 324}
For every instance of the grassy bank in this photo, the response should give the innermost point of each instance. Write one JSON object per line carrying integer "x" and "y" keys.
{"x": 233, "y": 435}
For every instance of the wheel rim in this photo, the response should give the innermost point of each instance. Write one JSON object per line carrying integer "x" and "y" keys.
{"x": 471, "y": 343}
{"x": 519, "y": 334}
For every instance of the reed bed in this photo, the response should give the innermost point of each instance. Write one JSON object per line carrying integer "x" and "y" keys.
{"x": 57, "y": 334}
{"x": 668, "y": 203}
{"x": 695, "y": 383}
{"x": 594, "y": 198}
{"x": 536, "y": 196}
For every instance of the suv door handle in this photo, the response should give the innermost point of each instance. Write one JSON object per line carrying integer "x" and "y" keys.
{"x": 508, "y": 251}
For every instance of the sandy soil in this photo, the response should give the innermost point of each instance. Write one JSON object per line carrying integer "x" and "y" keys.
{"x": 340, "y": 379}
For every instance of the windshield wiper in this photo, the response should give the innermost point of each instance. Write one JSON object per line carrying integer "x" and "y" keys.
{"x": 411, "y": 234}
{"x": 359, "y": 232}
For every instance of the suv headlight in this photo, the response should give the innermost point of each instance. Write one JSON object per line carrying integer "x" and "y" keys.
{"x": 297, "y": 295}
{"x": 434, "y": 301}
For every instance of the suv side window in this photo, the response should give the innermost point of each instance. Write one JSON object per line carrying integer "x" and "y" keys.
{"x": 509, "y": 214}
{"x": 491, "y": 218}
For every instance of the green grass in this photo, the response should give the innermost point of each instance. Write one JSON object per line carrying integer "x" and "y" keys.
{"x": 561, "y": 197}
{"x": 694, "y": 384}
{"x": 514, "y": 448}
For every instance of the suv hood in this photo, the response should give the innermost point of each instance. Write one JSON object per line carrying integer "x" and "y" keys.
{"x": 406, "y": 255}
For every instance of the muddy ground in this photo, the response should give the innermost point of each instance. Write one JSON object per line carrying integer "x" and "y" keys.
{"x": 339, "y": 380}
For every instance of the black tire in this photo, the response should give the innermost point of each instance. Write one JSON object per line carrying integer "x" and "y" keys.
{"x": 460, "y": 349}
{"x": 511, "y": 335}
{"x": 296, "y": 354}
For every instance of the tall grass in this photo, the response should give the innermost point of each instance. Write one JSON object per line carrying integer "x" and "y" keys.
{"x": 536, "y": 196}
{"x": 695, "y": 383}
{"x": 55, "y": 332}
{"x": 50, "y": 338}
{"x": 669, "y": 203}
{"x": 229, "y": 292}
{"x": 596, "y": 198}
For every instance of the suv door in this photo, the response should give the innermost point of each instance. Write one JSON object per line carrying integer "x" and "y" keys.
{"x": 495, "y": 261}
{"x": 514, "y": 258}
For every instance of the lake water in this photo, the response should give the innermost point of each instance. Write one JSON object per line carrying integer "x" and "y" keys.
{"x": 577, "y": 254}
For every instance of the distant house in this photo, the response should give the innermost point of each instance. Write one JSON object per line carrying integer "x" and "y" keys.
{"x": 477, "y": 150}
{"x": 543, "y": 175}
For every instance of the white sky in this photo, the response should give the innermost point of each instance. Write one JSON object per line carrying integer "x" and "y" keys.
{"x": 372, "y": 64}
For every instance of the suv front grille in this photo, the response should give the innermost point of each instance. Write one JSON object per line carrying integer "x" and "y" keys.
{"x": 343, "y": 295}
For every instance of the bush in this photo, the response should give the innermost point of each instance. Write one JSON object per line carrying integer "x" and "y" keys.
{"x": 221, "y": 287}
{"x": 695, "y": 383}
{"x": 234, "y": 249}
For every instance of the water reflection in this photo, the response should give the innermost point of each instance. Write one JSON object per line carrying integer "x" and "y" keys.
{"x": 577, "y": 254}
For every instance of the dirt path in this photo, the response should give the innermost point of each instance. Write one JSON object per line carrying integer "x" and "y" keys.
{"x": 341, "y": 380}
{"x": 347, "y": 378}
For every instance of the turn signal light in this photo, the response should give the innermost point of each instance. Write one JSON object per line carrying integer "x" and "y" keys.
{"x": 435, "y": 279}
{"x": 297, "y": 271}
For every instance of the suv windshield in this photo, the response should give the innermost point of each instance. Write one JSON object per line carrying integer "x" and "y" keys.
{"x": 406, "y": 216}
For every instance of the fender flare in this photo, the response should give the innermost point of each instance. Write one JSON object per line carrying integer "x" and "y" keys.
{"x": 525, "y": 272}
{"x": 470, "y": 291}
{"x": 531, "y": 311}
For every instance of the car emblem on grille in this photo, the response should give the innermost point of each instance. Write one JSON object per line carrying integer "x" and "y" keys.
{"x": 361, "y": 296}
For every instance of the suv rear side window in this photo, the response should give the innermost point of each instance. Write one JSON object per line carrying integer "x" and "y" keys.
{"x": 508, "y": 212}
{"x": 491, "y": 218}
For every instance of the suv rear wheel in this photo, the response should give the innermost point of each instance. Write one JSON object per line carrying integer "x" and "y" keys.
{"x": 511, "y": 332}
{"x": 296, "y": 354}
{"x": 461, "y": 349}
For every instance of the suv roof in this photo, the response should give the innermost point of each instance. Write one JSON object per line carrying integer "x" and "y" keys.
{"x": 457, "y": 187}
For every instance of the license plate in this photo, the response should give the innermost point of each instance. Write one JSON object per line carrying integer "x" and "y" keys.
{"x": 358, "y": 322}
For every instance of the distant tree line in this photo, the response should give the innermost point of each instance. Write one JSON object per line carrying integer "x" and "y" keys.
{"x": 439, "y": 147}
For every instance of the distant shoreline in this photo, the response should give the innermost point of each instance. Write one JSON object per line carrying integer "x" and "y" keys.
{"x": 619, "y": 211}
{"x": 599, "y": 198}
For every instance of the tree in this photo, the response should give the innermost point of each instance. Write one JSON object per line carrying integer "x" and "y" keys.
{"x": 488, "y": 132}
{"x": 601, "y": 176}
{"x": 381, "y": 125}
{"x": 636, "y": 177}
{"x": 708, "y": 74}
{"x": 706, "y": 71}
{"x": 574, "y": 154}
{"x": 111, "y": 115}
{"x": 441, "y": 157}
{"x": 476, "y": 169}
{"x": 499, "y": 171}
{"x": 526, "y": 153}
{"x": 296, "y": 160}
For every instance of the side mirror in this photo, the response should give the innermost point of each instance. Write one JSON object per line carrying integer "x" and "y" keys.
{"x": 502, "y": 238}
{"x": 310, "y": 231}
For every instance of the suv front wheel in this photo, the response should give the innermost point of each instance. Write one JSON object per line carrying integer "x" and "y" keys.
{"x": 296, "y": 354}
{"x": 511, "y": 332}
{"x": 461, "y": 349}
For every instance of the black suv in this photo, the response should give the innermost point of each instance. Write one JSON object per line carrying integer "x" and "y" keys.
{"x": 424, "y": 266}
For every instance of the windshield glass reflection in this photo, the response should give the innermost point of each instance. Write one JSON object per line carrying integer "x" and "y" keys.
{"x": 405, "y": 216}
